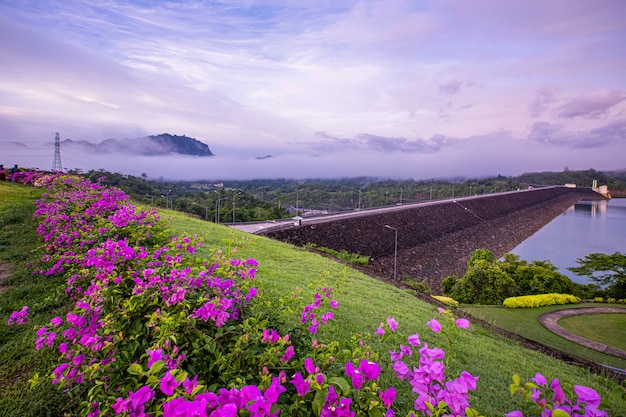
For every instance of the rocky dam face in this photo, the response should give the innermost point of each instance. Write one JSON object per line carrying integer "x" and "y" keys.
{"x": 436, "y": 239}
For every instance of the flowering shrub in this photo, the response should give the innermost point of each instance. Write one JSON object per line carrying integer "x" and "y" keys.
{"x": 158, "y": 331}
{"x": 540, "y": 300}
{"x": 550, "y": 400}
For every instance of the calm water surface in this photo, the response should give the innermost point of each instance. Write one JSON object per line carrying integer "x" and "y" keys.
{"x": 586, "y": 227}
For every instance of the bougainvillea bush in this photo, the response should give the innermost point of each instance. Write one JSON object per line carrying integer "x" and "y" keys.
{"x": 156, "y": 330}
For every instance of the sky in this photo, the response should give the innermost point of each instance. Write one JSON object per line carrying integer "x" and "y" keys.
{"x": 329, "y": 88}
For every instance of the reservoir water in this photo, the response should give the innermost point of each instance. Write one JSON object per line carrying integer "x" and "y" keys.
{"x": 586, "y": 227}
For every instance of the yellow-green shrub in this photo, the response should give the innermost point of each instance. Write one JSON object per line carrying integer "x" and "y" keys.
{"x": 446, "y": 300}
{"x": 539, "y": 300}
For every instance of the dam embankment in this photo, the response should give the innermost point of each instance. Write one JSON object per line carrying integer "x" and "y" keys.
{"x": 436, "y": 239}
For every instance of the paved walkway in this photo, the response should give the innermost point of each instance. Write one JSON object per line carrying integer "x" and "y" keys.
{"x": 549, "y": 321}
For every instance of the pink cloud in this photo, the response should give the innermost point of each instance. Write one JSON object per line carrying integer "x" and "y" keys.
{"x": 591, "y": 105}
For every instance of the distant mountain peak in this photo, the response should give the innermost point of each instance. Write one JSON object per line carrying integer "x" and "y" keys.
{"x": 163, "y": 144}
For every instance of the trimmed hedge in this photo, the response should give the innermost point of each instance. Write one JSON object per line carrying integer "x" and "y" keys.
{"x": 540, "y": 300}
{"x": 446, "y": 300}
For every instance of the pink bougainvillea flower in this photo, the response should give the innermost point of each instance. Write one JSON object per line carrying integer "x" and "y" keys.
{"x": 155, "y": 356}
{"x": 355, "y": 375}
{"x": 190, "y": 384}
{"x": 168, "y": 384}
{"x": 539, "y": 379}
{"x": 334, "y": 303}
{"x": 302, "y": 385}
{"x": 140, "y": 397}
{"x": 414, "y": 340}
{"x": 289, "y": 352}
{"x": 587, "y": 395}
{"x": 462, "y": 323}
{"x": 310, "y": 367}
{"x": 19, "y": 317}
{"x": 369, "y": 370}
{"x": 434, "y": 325}
{"x": 395, "y": 356}
{"x": 515, "y": 413}
{"x": 393, "y": 324}
{"x": 558, "y": 394}
{"x": 56, "y": 322}
{"x": 388, "y": 396}
{"x": 380, "y": 331}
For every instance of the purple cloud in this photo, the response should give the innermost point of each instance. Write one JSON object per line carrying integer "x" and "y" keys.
{"x": 611, "y": 134}
{"x": 370, "y": 142}
{"x": 544, "y": 97}
{"x": 450, "y": 88}
{"x": 591, "y": 105}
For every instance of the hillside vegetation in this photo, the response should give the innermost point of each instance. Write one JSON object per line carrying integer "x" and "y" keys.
{"x": 364, "y": 304}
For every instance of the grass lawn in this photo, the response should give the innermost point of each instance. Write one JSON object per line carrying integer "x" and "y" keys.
{"x": 524, "y": 321}
{"x": 364, "y": 304}
{"x": 609, "y": 329}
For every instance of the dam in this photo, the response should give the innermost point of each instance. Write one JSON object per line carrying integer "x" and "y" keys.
{"x": 431, "y": 241}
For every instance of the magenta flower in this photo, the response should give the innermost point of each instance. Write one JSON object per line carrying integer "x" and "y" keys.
{"x": 414, "y": 340}
{"x": 18, "y": 317}
{"x": 515, "y": 413}
{"x": 289, "y": 352}
{"x": 56, "y": 322}
{"x": 310, "y": 367}
{"x": 140, "y": 397}
{"x": 434, "y": 325}
{"x": 121, "y": 405}
{"x": 393, "y": 324}
{"x": 395, "y": 356}
{"x": 406, "y": 350}
{"x": 334, "y": 303}
{"x": 558, "y": 396}
{"x": 155, "y": 356}
{"x": 355, "y": 375}
{"x": 587, "y": 395}
{"x": 539, "y": 379}
{"x": 190, "y": 384}
{"x": 388, "y": 396}
{"x": 380, "y": 331}
{"x": 168, "y": 384}
{"x": 302, "y": 385}
{"x": 462, "y": 323}
{"x": 401, "y": 369}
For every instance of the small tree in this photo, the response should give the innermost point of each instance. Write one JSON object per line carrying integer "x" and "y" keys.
{"x": 607, "y": 270}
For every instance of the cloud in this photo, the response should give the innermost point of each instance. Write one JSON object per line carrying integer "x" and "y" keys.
{"x": 369, "y": 142}
{"x": 591, "y": 105}
{"x": 450, "y": 88}
{"x": 544, "y": 97}
{"x": 607, "y": 137}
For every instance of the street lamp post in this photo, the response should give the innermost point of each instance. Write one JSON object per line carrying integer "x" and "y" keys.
{"x": 234, "y": 198}
{"x": 167, "y": 199}
{"x": 395, "y": 252}
{"x": 218, "y": 207}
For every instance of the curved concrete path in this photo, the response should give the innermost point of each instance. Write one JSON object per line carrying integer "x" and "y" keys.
{"x": 549, "y": 321}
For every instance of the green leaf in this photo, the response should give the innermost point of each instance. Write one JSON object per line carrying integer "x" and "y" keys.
{"x": 341, "y": 384}
{"x": 318, "y": 401}
{"x": 375, "y": 412}
{"x": 156, "y": 367}
{"x": 135, "y": 369}
{"x": 560, "y": 413}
